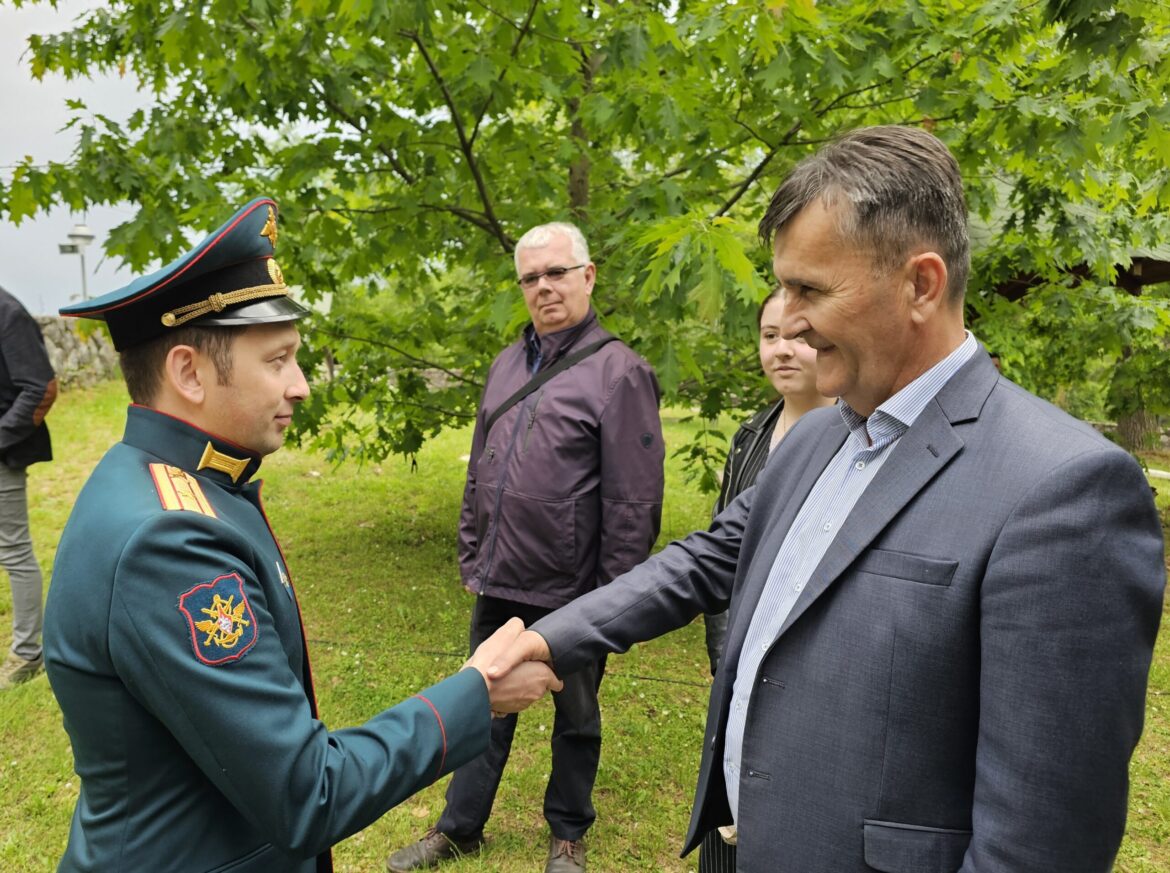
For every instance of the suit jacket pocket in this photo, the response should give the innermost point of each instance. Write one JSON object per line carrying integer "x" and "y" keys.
{"x": 907, "y": 566}
{"x": 905, "y": 848}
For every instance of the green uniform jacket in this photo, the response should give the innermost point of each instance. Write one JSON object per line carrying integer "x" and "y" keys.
{"x": 173, "y": 642}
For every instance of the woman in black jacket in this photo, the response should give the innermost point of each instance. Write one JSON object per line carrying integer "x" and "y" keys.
{"x": 791, "y": 367}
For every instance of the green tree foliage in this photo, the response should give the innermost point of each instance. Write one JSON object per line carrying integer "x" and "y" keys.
{"x": 410, "y": 144}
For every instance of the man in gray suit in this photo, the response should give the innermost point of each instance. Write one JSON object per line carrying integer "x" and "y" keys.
{"x": 944, "y": 592}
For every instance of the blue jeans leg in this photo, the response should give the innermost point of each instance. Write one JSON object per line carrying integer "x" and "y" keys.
{"x": 16, "y": 556}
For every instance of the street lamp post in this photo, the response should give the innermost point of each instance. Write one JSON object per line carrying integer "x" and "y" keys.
{"x": 80, "y": 237}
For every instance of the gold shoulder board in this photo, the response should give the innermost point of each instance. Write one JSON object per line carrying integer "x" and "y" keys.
{"x": 178, "y": 489}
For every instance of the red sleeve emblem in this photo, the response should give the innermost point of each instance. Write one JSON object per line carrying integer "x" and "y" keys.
{"x": 220, "y": 620}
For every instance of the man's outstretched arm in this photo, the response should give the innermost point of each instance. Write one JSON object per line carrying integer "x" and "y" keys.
{"x": 661, "y": 594}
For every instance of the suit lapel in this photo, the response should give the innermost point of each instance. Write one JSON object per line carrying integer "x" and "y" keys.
{"x": 925, "y": 449}
{"x": 920, "y": 454}
{"x": 776, "y": 528}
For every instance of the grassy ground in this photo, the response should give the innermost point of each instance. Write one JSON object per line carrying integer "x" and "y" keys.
{"x": 372, "y": 551}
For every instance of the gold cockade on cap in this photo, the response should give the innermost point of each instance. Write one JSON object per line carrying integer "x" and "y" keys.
{"x": 270, "y": 227}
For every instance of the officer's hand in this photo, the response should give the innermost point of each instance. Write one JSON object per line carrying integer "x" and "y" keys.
{"x": 528, "y": 646}
{"x": 523, "y": 686}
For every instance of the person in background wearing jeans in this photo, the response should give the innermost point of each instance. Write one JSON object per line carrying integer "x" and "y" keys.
{"x": 28, "y": 388}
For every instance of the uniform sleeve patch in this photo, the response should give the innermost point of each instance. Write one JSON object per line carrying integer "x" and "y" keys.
{"x": 220, "y": 620}
{"x": 178, "y": 489}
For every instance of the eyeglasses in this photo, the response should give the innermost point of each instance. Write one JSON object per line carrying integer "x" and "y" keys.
{"x": 555, "y": 274}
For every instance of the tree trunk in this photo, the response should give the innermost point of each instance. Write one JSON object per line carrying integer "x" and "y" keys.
{"x": 579, "y": 168}
{"x": 1137, "y": 430}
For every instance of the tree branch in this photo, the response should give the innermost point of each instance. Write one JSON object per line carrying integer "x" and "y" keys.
{"x": 686, "y": 168}
{"x": 755, "y": 174}
{"x": 353, "y": 122}
{"x": 430, "y": 407}
{"x": 550, "y": 37}
{"x": 837, "y": 102}
{"x": 494, "y": 227}
{"x": 521, "y": 32}
{"x": 469, "y": 215}
{"x": 750, "y": 131}
{"x": 398, "y": 166}
{"x": 421, "y": 362}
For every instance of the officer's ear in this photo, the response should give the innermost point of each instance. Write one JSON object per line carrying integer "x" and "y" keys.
{"x": 183, "y": 373}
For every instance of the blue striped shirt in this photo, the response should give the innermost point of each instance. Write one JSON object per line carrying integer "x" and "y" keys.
{"x": 832, "y": 498}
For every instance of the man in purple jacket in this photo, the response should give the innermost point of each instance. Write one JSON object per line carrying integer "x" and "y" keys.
{"x": 564, "y": 493}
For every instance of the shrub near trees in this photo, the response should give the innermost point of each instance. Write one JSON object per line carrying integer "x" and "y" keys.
{"x": 410, "y": 144}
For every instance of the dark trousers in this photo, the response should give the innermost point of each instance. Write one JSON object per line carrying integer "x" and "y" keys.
{"x": 715, "y": 855}
{"x": 715, "y": 630}
{"x": 576, "y": 745}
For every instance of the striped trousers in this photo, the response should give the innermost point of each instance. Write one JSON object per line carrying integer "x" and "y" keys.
{"x": 716, "y": 855}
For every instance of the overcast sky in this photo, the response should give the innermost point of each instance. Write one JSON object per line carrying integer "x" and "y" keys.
{"x": 33, "y": 114}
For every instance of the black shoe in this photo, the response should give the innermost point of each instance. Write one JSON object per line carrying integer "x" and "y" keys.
{"x": 565, "y": 856}
{"x": 433, "y": 849}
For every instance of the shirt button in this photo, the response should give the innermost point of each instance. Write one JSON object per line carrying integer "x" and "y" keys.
{"x": 828, "y": 526}
{"x": 763, "y": 647}
{"x": 860, "y": 465}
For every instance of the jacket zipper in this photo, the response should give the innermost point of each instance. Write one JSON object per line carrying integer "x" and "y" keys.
{"x": 531, "y": 420}
{"x": 494, "y": 529}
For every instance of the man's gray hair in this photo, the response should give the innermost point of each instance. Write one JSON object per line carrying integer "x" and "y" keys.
{"x": 542, "y": 235}
{"x": 900, "y": 188}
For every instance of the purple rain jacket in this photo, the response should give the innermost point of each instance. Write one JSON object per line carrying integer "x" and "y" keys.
{"x": 565, "y": 492}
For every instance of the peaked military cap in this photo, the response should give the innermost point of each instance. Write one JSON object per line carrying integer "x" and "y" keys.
{"x": 231, "y": 278}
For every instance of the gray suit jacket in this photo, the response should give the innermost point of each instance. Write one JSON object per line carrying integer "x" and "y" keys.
{"x": 961, "y": 683}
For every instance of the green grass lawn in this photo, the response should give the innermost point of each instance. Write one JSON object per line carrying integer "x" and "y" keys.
{"x": 372, "y": 551}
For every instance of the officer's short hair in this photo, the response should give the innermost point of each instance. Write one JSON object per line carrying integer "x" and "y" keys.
{"x": 142, "y": 365}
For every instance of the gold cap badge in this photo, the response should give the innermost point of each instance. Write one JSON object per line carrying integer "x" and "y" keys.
{"x": 269, "y": 230}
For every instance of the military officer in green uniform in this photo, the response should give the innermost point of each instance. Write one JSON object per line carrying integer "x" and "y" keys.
{"x": 173, "y": 639}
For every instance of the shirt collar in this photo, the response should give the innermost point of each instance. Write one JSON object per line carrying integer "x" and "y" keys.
{"x": 551, "y": 346}
{"x": 898, "y": 413}
{"x": 183, "y": 445}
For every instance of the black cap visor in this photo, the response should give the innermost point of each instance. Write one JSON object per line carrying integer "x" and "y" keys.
{"x": 270, "y": 309}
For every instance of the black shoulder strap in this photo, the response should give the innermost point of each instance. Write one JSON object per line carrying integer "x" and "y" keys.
{"x": 542, "y": 377}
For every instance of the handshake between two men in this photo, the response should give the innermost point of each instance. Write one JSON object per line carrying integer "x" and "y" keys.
{"x": 514, "y": 664}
